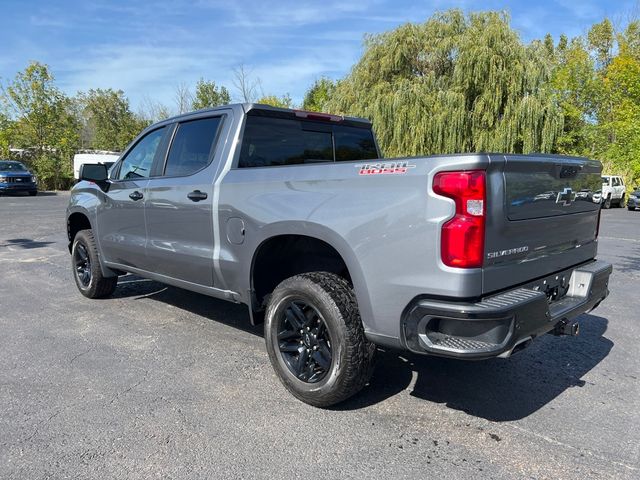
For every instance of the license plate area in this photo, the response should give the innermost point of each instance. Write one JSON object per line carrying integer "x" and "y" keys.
{"x": 555, "y": 286}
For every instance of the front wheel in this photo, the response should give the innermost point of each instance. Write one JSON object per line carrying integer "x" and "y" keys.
{"x": 86, "y": 267}
{"x": 607, "y": 202}
{"x": 315, "y": 339}
{"x": 33, "y": 193}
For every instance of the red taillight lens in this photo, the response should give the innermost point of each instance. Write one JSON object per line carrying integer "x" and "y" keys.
{"x": 462, "y": 239}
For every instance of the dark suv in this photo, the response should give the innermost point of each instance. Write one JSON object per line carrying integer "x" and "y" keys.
{"x": 15, "y": 177}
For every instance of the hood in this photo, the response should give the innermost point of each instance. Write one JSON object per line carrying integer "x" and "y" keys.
{"x": 15, "y": 173}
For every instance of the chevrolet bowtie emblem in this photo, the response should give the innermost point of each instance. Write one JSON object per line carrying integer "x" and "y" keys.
{"x": 565, "y": 197}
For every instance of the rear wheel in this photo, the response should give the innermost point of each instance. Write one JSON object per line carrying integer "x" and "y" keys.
{"x": 621, "y": 202}
{"x": 86, "y": 267}
{"x": 315, "y": 339}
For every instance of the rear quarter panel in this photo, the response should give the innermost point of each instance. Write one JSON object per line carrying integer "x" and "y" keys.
{"x": 386, "y": 227}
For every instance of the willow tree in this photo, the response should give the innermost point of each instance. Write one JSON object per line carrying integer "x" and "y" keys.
{"x": 455, "y": 83}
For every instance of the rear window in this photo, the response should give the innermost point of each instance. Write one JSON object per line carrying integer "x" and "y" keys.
{"x": 270, "y": 141}
{"x": 191, "y": 146}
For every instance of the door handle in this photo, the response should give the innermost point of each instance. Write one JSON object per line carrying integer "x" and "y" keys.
{"x": 136, "y": 196}
{"x": 196, "y": 196}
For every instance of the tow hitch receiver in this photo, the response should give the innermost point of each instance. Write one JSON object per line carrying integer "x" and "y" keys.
{"x": 565, "y": 327}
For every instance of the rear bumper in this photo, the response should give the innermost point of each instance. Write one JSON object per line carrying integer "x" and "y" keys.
{"x": 496, "y": 325}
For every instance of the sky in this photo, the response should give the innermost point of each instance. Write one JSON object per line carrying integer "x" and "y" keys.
{"x": 149, "y": 48}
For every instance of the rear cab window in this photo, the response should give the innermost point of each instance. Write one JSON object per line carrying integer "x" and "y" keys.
{"x": 192, "y": 146}
{"x": 286, "y": 140}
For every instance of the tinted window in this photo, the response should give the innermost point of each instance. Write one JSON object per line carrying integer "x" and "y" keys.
{"x": 192, "y": 146}
{"x": 138, "y": 162}
{"x": 278, "y": 141}
{"x": 354, "y": 143}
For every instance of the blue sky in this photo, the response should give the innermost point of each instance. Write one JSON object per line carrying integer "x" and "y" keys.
{"x": 148, "y": 48}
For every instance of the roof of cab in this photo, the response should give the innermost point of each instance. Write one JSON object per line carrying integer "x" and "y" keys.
{"x": 247, "y": 107}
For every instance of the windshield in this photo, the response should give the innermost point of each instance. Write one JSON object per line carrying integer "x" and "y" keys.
{"x": 12, "y": 167}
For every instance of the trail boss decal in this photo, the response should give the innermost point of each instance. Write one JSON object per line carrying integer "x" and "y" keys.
{"x": 384, "y": 168}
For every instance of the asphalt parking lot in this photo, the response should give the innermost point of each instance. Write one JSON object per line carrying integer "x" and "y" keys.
{"x": 158, "y": 382}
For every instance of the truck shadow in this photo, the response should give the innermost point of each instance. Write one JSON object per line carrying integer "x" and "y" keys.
{"x": 220, "y": 311}
{"x": 24, "y": 243}
{"x": 497, "y": 390}
{"x": 500, "y": 389}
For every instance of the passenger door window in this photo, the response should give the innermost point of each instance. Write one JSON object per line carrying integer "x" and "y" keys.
{"x": 139, "y": 160}
{"x": 192, "y": 146}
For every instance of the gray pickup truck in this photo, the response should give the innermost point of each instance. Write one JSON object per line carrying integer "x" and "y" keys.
{"x": 336, "y": 250}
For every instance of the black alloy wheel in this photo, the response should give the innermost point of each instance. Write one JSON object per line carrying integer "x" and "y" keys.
{"x": 87, "y": 273}
{"x": 83, "y": 265}
{"x": 315, "y": 338}
{"x": 304, "y": 341}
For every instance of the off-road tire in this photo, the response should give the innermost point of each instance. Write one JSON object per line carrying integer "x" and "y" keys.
{"x": 352, "y": 354}
{"x": 621, "y": 203}
{"x": 607, "y": 202}
{"x": 98, "y": 286}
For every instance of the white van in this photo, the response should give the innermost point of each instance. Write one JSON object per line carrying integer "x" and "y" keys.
{"x": 105, "y": 158}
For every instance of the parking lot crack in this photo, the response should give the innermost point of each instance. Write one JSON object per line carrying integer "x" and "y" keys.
{"x": 42, "y": 423}
{"x": 128, "y": 389}
{"x": 80, "y": 355}
{"x": 577, "y": 449}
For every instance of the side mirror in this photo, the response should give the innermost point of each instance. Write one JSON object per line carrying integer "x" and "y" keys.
{"x": 93, "y": 172}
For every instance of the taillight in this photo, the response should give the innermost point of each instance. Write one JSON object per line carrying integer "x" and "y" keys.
{"x": 462, "y": 239}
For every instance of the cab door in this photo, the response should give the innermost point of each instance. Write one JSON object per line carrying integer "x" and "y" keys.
{"x": 121, "y": 219}
{"x": 179, "y": 203}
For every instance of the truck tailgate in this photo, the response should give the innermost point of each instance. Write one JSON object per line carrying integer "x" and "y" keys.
{"x": 541, "y": 217}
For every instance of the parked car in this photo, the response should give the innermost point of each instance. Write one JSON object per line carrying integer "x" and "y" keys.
{"x": 296, "y": 215}
{"x": 15, "y": 177}
{"x": 613, "y": 191}
{"x": 634, "y": 199}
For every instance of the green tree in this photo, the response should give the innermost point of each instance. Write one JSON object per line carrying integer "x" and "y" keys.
{"x": 110, "y": 120}
{"x": 283, "y": 101}
{"x": 209, "y": 95}
{"x": 619, "y": 124}
{"x": 317, "y": 97}
{"x": 601, "y": 39}
{"x": 6, "y": 133}
{"x": 44, "y": 123}
{"x": 455, "y": 83}
{"x": 576, "y": 87}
